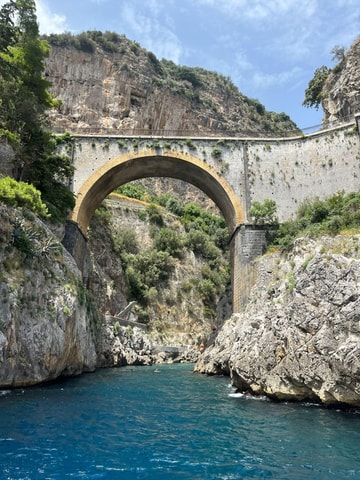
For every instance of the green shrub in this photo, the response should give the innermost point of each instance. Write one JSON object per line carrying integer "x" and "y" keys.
{"x": 196, "y": 240}
{"x": 58, "y": 198}
{"x": 116, "y": 327}
{"x": 317, "y": 211}
{"x": 319, "y": 217}
{"x": 85, "y": 43}
{"x": 21, "y": 194}
{"x": 132, "y": 190}
{"x": 264, "y": 213}
{"x": 154, "y": 215}
{"x": 207, "y": 291}
{"x": 126, "y": 241}
{"x": 195, "y": 217}
{"x": 103, "y": 215}
{"x": 175, "y": 206}
{"x": 211, "y": 252}
{"x": 146, "y": 269}
{"x": 169, "y": 240}
{"x": 216, "y": 152}
{"x": 189, "y": 143}
{"x": 333, "y": 224}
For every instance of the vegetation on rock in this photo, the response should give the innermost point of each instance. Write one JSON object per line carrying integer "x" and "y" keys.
{"x": 319, "y": 217}
{"x": 336, "y": 89}
{"x": 314, "y": 91}
{"x": 172, "y": 262}
{"x": 22, "y": 194}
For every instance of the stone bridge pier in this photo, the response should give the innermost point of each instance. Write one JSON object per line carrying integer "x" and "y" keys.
{"x": 247, "y": 243}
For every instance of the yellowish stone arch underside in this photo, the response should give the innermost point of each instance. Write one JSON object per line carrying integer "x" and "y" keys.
{"x": 151, "y": 163}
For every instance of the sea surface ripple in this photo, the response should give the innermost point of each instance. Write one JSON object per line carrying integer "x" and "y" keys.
{"x": 140, "y": 423}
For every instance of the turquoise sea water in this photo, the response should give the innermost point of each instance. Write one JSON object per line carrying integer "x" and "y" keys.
{"x": 134, "y": 423}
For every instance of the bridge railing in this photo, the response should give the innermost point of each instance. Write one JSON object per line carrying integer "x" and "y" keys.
{"x": 327, "y": 125}
{"x": 159, "y": 133}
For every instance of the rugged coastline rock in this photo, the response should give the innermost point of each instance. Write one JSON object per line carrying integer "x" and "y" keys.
{"x": 47, "y": 327}
{"x": 50, "y": 324}
{"x": 131, "y": 345}
{"x": 299, "y": 336}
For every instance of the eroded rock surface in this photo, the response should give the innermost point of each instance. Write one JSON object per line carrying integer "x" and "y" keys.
{"x": 131, "y": 345}
{"x": 299, "y": 336}
{"x": 46, "y": 327}
{"x": 341, "y": 92}
{"x": 128, "y": 88}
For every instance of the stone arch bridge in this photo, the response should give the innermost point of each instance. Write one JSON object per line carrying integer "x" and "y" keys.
{"x": 233, "y": 172}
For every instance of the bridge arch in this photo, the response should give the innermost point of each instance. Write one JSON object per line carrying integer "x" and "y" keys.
{"x": 156, "y": 163}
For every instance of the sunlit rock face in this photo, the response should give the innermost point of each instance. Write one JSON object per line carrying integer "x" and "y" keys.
{"x": 299, "y": 336}
{"x": 341, "y": 93}
{"x": 128, "y": 88}
{"x": 47, "y": 328}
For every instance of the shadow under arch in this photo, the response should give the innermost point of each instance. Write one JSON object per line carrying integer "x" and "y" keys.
{"x": 155, "y": 163}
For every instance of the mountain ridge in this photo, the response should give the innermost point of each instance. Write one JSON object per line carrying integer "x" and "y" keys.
{"x": 107, "y": 82}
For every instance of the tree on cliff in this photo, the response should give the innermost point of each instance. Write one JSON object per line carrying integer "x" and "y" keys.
{"x": 24, "y": 100}
{"x": 313, "y": 93}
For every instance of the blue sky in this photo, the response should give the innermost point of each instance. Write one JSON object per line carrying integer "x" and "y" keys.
{"x": 269, "y": 48}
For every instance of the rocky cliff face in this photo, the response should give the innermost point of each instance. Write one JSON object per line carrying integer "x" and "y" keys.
{"x": 50, "y": 324}
{"x": 112, "y": 83}
{"x": 341, "y": 92}
{"x": 47, "y": 328}
{"x": 299, "y": 336}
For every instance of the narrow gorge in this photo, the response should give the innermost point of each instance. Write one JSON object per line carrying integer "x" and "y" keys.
{"x": 298, "y": 336}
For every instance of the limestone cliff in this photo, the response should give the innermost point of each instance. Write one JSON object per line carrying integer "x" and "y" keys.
{"x": 50, "y": 324}
{"x": 299, "y": 336}
{"x": 109, "y": 83}
{"x": 341, "y": 92}
{"x": 47, "y": 326}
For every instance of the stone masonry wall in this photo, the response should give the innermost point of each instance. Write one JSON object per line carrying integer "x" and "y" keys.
{"x": 248, "y": 243}
{"x": 287, "y": 170}
{"x": 293, "y": 170}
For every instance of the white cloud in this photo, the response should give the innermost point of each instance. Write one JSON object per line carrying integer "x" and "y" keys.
{"x": 242, "y": 61}
{"x": 264, "y": 81}
{"x": 251, "y": 77}
{"x": 258, "y": 10}
{"x": 153, "y": 34}
{"x": 49, "y": 22}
